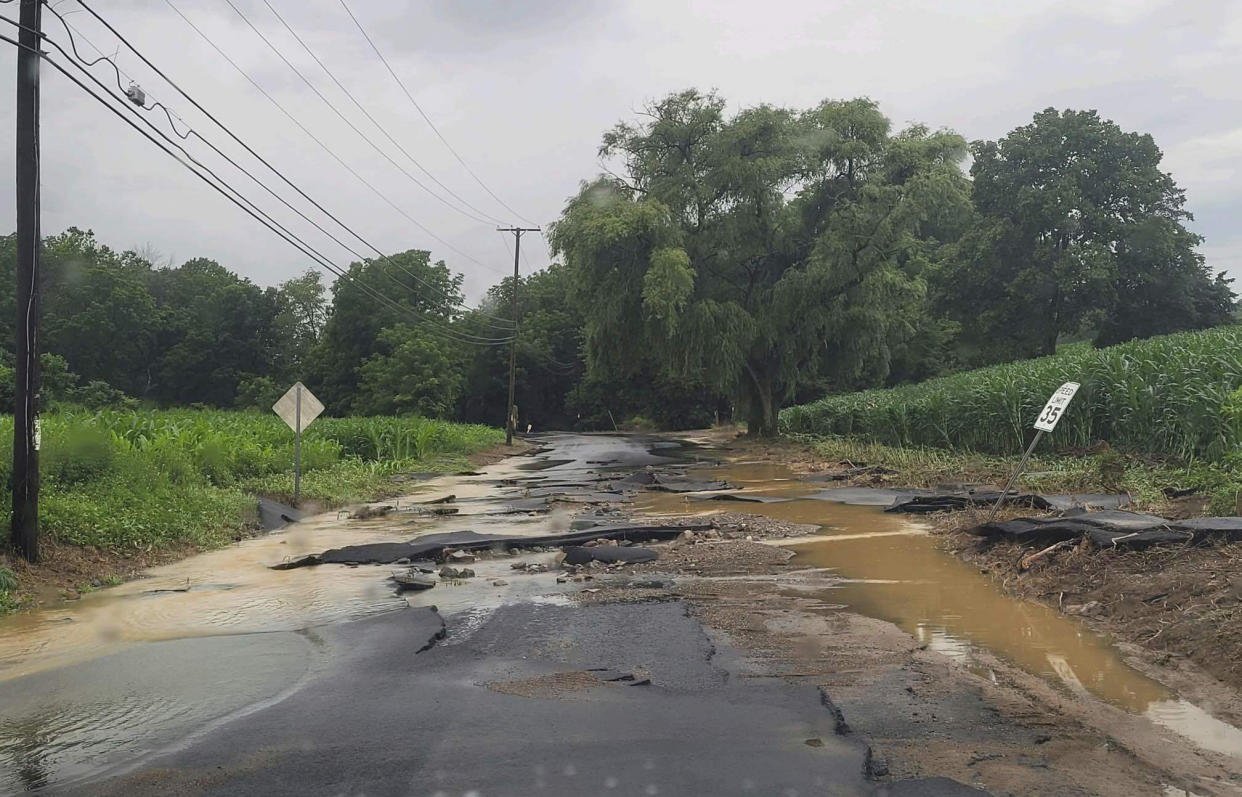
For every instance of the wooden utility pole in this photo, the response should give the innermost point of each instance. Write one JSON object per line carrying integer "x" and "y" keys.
{"x": 510, "y": 415}
{"x": 26, "y": 394}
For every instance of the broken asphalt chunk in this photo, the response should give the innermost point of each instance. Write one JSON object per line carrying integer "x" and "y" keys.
{"x": 608, "y": 554}
{"x": 433, "y": 546}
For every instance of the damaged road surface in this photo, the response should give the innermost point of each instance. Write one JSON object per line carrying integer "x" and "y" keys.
{"x": 570, "y": 646}
{"x": 434, "y": 546}
{"x": 555, "y": 700}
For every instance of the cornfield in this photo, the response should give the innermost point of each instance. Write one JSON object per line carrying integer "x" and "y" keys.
{"x": 1177, "y": 395}
{"x": 403, "y": 438}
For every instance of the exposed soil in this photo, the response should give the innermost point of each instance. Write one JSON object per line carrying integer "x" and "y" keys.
{"x": 1176, "y": 601}
{"x": 1173, "y": 601}
{"x": 555, "y": 685}
{"x": 66, "y": 571}
{"x": 719, "y": 558}
{"x": 921, "y": 713}
{"x": 490, "y": 456}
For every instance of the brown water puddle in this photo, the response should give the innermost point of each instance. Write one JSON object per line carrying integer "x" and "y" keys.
{"x": 892, "y": 570}
{"x": 234, "y": 591}
{"x": 69, "y": 709}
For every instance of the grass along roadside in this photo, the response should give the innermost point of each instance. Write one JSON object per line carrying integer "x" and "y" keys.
{"x": 126, "y": 490}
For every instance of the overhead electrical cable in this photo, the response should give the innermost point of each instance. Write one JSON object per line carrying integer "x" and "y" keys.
{"x": 427, "y": 118}
{"x": 552, "y": 365}
{"x": 268, "y": 164}
{"x": 218, "y": 151}
{"x": 243, "y": 170}
{"x": 372, "y": 119}
{"x": 346, "y": 120}
{"x": 224, "y": 189}
{"x": 287, "y": 115}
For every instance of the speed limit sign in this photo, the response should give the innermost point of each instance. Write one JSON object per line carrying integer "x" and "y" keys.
{"x": 1055, "y": 407}
{"x": 1046, "y": 422}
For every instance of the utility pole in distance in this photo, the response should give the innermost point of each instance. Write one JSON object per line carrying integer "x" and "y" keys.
{"x": 26, "y": 395}
{"x": 511, "y": 418}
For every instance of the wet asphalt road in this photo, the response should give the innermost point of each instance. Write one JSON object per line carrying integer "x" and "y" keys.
{"x": 382, "y": 720}
{"x": 494, "y": 702}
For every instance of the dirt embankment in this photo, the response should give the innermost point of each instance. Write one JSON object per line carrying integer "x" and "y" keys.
{"x": 919, "y": 713}
{"x": 1177, "y": 601}
{"x": 1172, "y": 601}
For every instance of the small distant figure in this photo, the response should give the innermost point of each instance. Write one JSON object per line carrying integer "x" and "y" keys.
{"x": 528, "y": 428}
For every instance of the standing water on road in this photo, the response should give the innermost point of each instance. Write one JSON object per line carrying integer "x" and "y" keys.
{"x": 220, "y": 634}
{"x": 892, "y": 569}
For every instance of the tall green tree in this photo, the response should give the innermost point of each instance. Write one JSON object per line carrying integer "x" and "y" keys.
{"x": 301, "y": 312}
{"x": 549, "y": 355}
{"x": 98, "y": 313}
{"x": 216, "y": 331}
{"x": 1078, "y": 229}
{"x": 412, "y": 371}
{"x": 428, "y": 295}
{"x": 757, "y": 252}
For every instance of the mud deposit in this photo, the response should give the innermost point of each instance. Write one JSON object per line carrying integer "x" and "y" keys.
{"x": 785, "y": 645}
{"x": 888, "y": 567}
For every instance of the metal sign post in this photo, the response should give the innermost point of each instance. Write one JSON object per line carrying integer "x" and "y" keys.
{"x": 1046, "y": 422}
{"x": 297, "y": 446}
{"x": 298, "y": 408}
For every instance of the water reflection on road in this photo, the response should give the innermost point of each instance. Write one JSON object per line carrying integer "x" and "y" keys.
{"x": 67, "y": 706}
{"x": 893, "y": 570}
{"x": 234, "y": 591}
{"x": 85, "y": 684}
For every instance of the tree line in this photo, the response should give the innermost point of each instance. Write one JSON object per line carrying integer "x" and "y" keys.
{"x": 776, "y": 253}
{"x": 724, "y": 262}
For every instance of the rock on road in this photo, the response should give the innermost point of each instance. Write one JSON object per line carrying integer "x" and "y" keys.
{"x": 534, "y": 697}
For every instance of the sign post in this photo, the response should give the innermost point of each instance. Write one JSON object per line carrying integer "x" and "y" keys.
{"x": 298, "y": 408}
{"x": 1046, "y": 422}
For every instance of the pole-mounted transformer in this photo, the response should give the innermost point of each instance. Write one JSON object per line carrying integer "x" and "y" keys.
{"x": 136, "y": 95}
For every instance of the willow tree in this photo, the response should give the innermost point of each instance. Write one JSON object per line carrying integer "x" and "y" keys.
{"x": 760, "y": 252}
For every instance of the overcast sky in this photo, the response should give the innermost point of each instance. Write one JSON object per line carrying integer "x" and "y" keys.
{"x": 523, "y": 90}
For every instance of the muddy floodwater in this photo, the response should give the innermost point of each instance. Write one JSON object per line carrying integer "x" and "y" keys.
{"x": 69, "y": 707}
{"x": 234, "y": 591}
{"x": 892, "y": 569}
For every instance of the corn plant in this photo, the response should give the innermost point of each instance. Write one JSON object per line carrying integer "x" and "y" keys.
{"x": 1171, "y": 396}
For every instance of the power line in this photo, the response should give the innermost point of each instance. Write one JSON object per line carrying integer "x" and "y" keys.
{"x": 345, "y": 119}
{"x": 220, "y": 186}
{"x": 372, "y": 119}
{"x": 505, "y": 322}
{"x": 218, "y": 151}
{"x": 287, "y": 115}
{"x": 427, "y": 118}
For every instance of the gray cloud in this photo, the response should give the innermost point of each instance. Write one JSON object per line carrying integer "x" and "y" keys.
{"x": 524, "y": 90}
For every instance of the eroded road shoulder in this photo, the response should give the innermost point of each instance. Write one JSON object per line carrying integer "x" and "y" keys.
{"x": 922, "y": 715}
{"x": 566, "y": 665}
